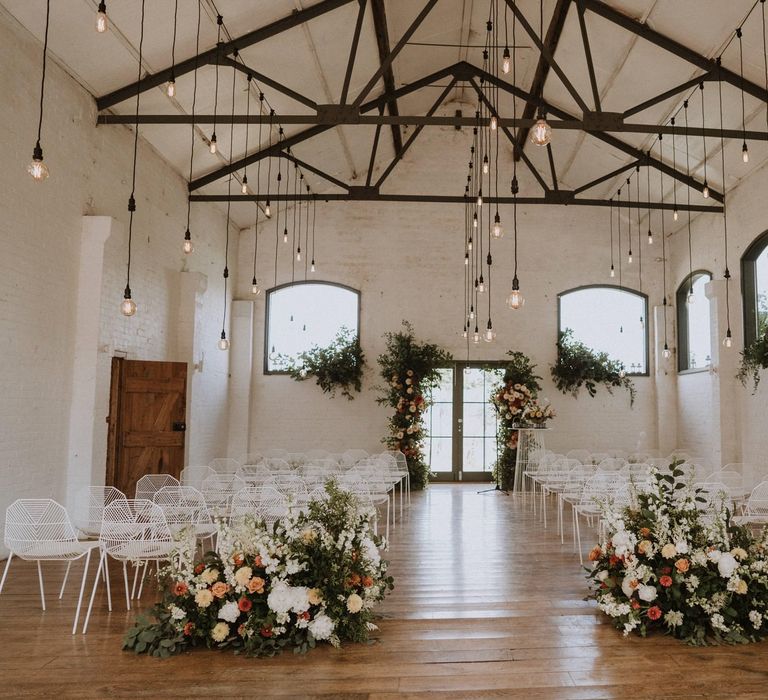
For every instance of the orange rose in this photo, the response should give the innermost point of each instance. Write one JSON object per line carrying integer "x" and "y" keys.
{"x": 244, "y": 605}
{"x": 256, "y": 585}
{"x": 354, "y": 580}
{"x": 179, "y": 588}
{"x": 367, "y": 581}
{"x": 238, "y": 560}
{"x": 188, "y": 629}
{"x": 645, "y": 532}
{"x": 596, "y": 553}
{"x": 682, "y": 565}
{"x": 219, "y": 589}
{"x": 257, "y": 561}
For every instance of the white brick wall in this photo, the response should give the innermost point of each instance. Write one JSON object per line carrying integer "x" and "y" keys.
{"x": 39, "y": 244}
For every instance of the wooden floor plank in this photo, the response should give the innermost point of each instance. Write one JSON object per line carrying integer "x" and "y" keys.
{"x": 487, "y": 604}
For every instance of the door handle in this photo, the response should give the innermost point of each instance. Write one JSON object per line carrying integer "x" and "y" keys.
{"x": 179, "y": 427}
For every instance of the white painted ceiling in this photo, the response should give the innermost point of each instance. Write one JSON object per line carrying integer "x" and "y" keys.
{"x": 311, "y": 59}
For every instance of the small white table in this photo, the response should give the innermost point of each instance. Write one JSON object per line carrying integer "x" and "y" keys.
{"x": 530, "y": 447}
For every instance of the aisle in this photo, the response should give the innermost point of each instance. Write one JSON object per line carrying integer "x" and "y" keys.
{"x": 487, "y": 604}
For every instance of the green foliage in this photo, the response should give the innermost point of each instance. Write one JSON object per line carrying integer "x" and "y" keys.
{"x": 577, "y": 366}
{"x": 520, "y": 370}
{"x": 160, "y": 638}
{"x": 411, "y": 370}
{"x": 754, "y": 360}
{"x": 338, "y": 366}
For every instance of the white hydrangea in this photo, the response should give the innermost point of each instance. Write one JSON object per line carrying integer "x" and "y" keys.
{"x": 673, "y": 618}
{"x": 229, "y": 611}
{"x": 321, "y": 627}
{"x": 177, "y": 613}
{"x": 718, "y": 622}
{"x": 646, "y": 593}
{"x": 727, "y": 565}
{"x": 756, "y": 619}
{"x": 371, "y": 551}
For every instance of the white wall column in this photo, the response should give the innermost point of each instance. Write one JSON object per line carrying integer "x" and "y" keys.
{"x": 725, "y": 362}
{"x": 82, "y": 471}
{"x": 240, "y": 371}
{"x": 666, "y": 381}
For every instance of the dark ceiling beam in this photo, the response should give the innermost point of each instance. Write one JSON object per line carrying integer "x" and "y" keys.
{"x": 399, "y": 155}
{"x": 551, "y": 40}
{"x": 552, "y": 170}
{"x": 266, "y": 80}
{"x": 374, "y": 150}
{"x": 588, "y": 56}
{"x": 371, "y": 194}
{"x": 227, "y": 48}
{"x": 314, "y": 169}
{"x": 353, "y": 51}
{"x": 674, "y": 47}
{"x": 642, "y": 106}
{"x": 607, "y": 176}
{"x": 275, "y": 149}
{"x": 382, "y": 43}
{"x": 387, "y": 62}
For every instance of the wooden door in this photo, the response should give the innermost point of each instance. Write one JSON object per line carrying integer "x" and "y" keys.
{"x": 147, "y": 421}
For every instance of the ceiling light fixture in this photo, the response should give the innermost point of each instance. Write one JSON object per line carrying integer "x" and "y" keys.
{"x": 213, "y": 145}
{"x": 188, "y": 247}
{"x": 728, "y": 340}
{"x": 102, "y": 23}
{"x": 170, "y": 88}
{"x": 691, "y": 297}
{"x": 744, "y": 147}
{"x": 666, "y": 352}
{"x": 37, "y": 168}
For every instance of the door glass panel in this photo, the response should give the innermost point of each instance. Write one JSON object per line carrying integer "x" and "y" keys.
{"x": 479, "y": 428}
{"x": 438, "y": 425}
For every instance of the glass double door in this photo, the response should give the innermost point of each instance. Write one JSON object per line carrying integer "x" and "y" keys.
{"x": 461, "y": 422}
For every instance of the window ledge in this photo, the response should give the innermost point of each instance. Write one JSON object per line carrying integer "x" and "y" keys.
{"x": 695, "y": 370}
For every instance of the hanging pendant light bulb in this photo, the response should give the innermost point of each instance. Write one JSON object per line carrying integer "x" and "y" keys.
{"x": 285, "y": 235}
{"x": 469, "y": 244}
{"x": 728, "y": 340}
{"x": 498, "y": 231}
{"x": 128, "y": 305}
{"x": 223, "y": 342}
{"x": 494, "y": 123}
{"x": 267, "y": 210}
{"x": 690, "y": 298}
{"x": 666, "y": 352}
{"x": 541, "y": 133}
{"x": 486, "y": 165}
{"x": 212, "y": 145}
{"x": 37, "y": 168}
{"x": 255, "y": 289}
{"x": 489, "y": 335}
{"x": 622, "y": 373}
{"x": 515, "y": 300}
{"x": 705, "y": 191}
{"x": 170, "y": 88}
{"x": 505, "y": 63}
{"x": 471, "y": 313}
{"x": 466, "y": 258}
{"x": 298, "y": 255}
{"x": 480, "y": 198}
{"x": 476, "y": 336}
{"x": 102, "y": 23}
{"x": 675, "y": 214}
{"x": 474, "y": 220}
{"x": 481, "y": 285}
{"x": 188, "y": 246}
{"x": 465, "y": 332}
{"x": 650, "y": 237}
{"x": 244, "y": 185}
{"x": 613, "y": 271}
{"x": 312, "y": 266}
{"x": 745, "y": 152}
{"x": 629, "y": 257}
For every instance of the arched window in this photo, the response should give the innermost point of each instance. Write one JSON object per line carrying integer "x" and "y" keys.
{"x": 608, "y": 319}
{"x": 304, "y": 314}
{"x": 694, "y": 342}
{"x": 754, "y": 288}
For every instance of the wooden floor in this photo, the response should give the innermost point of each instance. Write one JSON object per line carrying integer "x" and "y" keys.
{"x": 486, "y": 605}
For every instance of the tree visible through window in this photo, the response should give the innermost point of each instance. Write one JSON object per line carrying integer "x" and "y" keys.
{"x": 754, "y": 273}
{"x": 306, "y": 314}
{"x": 694, "y": 342}
{"x": 608, "y": 319}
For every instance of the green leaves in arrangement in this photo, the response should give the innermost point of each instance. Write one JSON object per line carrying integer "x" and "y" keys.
{"x": 754, "y": 360}
{"x": 337, "y": 367}
{"x": 577, "y": 366}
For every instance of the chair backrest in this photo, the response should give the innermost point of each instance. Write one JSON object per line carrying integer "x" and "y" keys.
{"x": 313, "y": 455}
{"x": 149, "y": 484}
{"x": 273, "y": 505}
{"x": 611, "y": 464}
{"x": 225, "y": 465}
{"x": 350, "y": 457}
{"x": 638, "y": 457}
{"x": 219, "y": 490}
{"x": 246, "y": 503}
{"x": 98, "y": 497}
{"x": 732, "y": 479}
{"x": 296, "y": 459}
{"x": 580, "y": 455}
{"x": 275, "y": 453}
{"x": 757, "y": 504}
{"x": 134, "y": 529}
{"x": 251, "y": 458}
{"x": 38, "y": 528}
{"x": 195, "y": 476}
{"x": 253, "y": 475}
{"x": 183, "y": 505}
{"x": 715, "y": 494}
{"x": 276, "y": 464}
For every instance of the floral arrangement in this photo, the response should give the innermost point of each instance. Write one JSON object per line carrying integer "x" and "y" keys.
{"x": 336, "y": 367}
{"x": 410, "y": 369}
{"x": 577, "y": 366}
{"x": 313, "y": 577}
{"x": 519, "y": 388}
{"x": 754, "y": 359}
{"x": 537, "y": 413}
{"x": 667, "y": 565}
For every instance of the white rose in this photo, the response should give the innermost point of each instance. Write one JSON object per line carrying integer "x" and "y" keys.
{"x": 727, "y": 564}
{"x": 219, "y": 632}
{"x": 177, "y": 613}
{"x": 626, "y": 585}
{"x": 229, "y": 611}
{"x": 646, "y": 593}
{"x": 681, "y": 547}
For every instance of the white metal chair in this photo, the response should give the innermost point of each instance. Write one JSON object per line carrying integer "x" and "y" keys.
{"x": 185, "y": 507}
{"x": 149, "y": 484}
{"x": 313, "y": 455}
{"x": 132, "y": 530}
{"x": 39, "y": 529}
{"x": 272, "y": 506}
{"x": 756, "y": 509}
{"x": 251, "y": 458}
{"x": 352, "y": 457}
{"x": 253, "y": 474}
{"x": 224, "y": 465}
{"x": 195, "y": 476}
{"x": 97, "y": 497}
{"x": 219, "y": 490}
{"x": 245, "y": 504}
{"x": 275, "y": 453}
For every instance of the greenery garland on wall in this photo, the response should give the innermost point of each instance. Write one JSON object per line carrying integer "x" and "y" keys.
{"x": 519, "y": 387}
{"x": 337, "y": 367}
{"x": 577, "y": 366}
{"x": 410, "y": 370}
{"x": 754, "y": 360}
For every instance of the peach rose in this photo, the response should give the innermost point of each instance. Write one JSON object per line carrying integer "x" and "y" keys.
{"x": 595, "y": 553}
{"x": 219, "y": 589}
{"x": 180, "y": 588}
{"x": 314, "y": 596}
{"x": 256, "y": 585}
{"x": 644, "y": 546}
{"x": 682, "y": 565}
{"x": 645, "y": 532}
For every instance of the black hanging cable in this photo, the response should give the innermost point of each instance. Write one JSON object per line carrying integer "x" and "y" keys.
{"x": 688, "y": 191}
{"x": 255, "y": 289}
{"x": 277, "y": 215}
{"x": 629, "y": 220}
{"x": 37, "y": 168}
{"x": 648, "y": 185}
{"x": 674, "y": 167}
{"x": 744, "y": 147}
{"x": 705, "y": 190}
{"x": 666, "y": 351}
{"x": 765, "y": 55}
{"x": 213, "y": 144}
{"x": 314, "y": 217}
{"x": 728, "y": 340}
{"x": 300, "y": 205}
{"x": 610, "y": 217}
{"x": 618, "y": 233}
{"x": 128, "y": 306}
{"x": 187, "y": 246}
{"x": 306, "y": 235}
{"x": 223, "y": 342}
{"x": 295, "y": 202}
{"x": 244, "y": 182}
{"x": 639, "y": 236}
{"x": 171, "y": 87}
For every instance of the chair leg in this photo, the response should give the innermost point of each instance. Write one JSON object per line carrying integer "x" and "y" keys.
{"x": 107, "y": 583}
{"x": 64, "y": 582}
{"x": 82, "y": 589}
{"x": 102, "y": 562}
{"x": 144, "y": 577}
{"x": 42, "y": 590}
{"x": 125, "y": 580}
{"x": 578, "y": 538}
{"x": 5, "y": 570}
{"x": 387, "y": 536}
{"x": 137, "y": 567}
